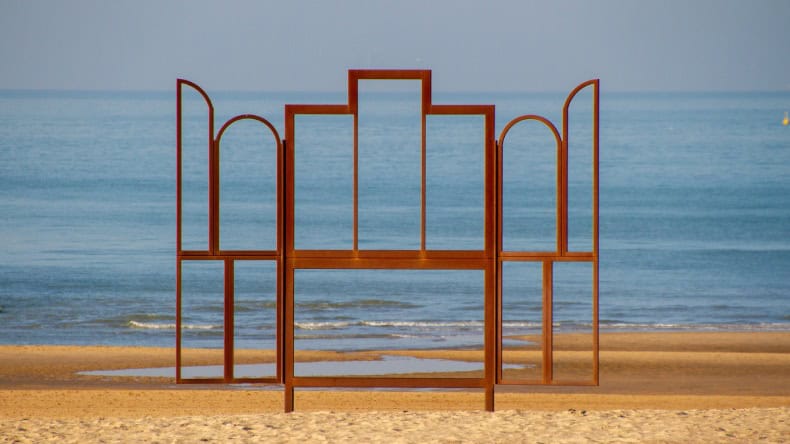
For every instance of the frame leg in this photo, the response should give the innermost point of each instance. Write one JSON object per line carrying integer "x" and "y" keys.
{"x": 289, "y": 398}
{"x": 490, "y": 398}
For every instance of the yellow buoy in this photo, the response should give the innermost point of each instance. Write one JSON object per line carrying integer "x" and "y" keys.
{"x": 786, "y": 120}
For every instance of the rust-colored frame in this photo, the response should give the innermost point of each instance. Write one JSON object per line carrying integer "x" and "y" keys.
{"x": 484, "y": 259}
{"x": 213, "y": 252}
{"x": 489, "y": 259}
{"x": 547, "y": 259}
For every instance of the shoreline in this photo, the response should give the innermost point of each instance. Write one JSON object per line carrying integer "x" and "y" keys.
{"x": 676, "y": 363}
{"x": 653, "y": 386}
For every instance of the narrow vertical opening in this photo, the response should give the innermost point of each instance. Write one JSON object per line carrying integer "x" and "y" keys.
{"x": 529, "y": 188}
{"x": 522, "y": 318}
{"x": 255, "y": 319}
{"x": 323, "y": 189}
{"x": 580, "y": 171}
{"x": 195, "y": 142}
{"x": 455, "y": 182}
{"x": 573, "y": 321}
{"x": 390, "y": 164}
{"x": 202, "y": 319}
{"x": 248, "y": 187}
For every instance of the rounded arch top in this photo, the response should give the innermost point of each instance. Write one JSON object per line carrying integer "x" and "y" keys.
{"x": 592, "y": 82}
{"x": 253, "y": 117}
{"x": 193, "y": 85}
{"x": 546, "y": 122}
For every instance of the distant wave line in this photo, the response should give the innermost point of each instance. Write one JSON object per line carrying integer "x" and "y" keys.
{"x": 478, "y": 325}
{"x": 156, "y": 326}
{"x": 396, "y": 324}
{"x": 409, "y": 324}
{"x": 761, "y": 326}
{"x": 612, "y": 325}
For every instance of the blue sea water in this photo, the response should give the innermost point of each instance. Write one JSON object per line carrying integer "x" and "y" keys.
{"x": 694, "y": 212}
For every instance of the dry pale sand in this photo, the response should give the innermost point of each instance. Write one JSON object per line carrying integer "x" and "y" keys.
{"x": 654, "y": 387}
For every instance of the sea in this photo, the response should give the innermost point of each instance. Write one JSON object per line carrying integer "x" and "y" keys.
{"x": 694, "y": 216}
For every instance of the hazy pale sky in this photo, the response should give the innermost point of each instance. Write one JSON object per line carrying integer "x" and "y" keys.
{"x": 470, "y": 45}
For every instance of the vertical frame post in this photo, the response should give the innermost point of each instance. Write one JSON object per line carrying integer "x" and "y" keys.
{"x": 228, "y": 324}
{"x": 548, "y": 321}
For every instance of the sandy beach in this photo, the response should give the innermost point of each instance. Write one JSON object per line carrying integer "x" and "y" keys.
{"x": 655, "y": 387}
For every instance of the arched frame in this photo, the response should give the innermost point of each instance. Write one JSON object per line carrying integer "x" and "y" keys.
{"x": 489, "y": 259}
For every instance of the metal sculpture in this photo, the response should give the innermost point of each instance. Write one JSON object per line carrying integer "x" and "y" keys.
{"x": 488, "y": 259}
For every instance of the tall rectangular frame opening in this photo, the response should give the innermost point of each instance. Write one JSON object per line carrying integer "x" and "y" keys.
{"x": 411, "y": 257}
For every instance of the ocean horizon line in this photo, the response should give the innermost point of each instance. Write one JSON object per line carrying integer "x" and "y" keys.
{"x": 66, "y": 92}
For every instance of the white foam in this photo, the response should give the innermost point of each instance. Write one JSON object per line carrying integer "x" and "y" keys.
{"x": 321, "y": 325}
{"x": 423, "y": 324}
{"x": 156, "y": 326}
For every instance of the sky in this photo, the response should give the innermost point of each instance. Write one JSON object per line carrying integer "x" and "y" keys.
{"x": 668, "y": 45}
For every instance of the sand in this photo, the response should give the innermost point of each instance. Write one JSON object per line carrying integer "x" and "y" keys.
{"x": 654, "y": 387}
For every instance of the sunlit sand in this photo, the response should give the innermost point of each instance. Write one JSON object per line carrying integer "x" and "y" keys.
{"x": 661, "y": 386}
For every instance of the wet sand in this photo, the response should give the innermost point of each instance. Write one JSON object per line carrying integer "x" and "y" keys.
{"x": 653, "y": 387}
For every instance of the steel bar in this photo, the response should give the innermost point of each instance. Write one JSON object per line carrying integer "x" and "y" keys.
{"x": 548, "y": 317}
{"x": 228, "y": 324}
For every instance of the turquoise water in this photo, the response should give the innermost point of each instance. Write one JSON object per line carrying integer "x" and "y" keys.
{"x": 695, "y": 219}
